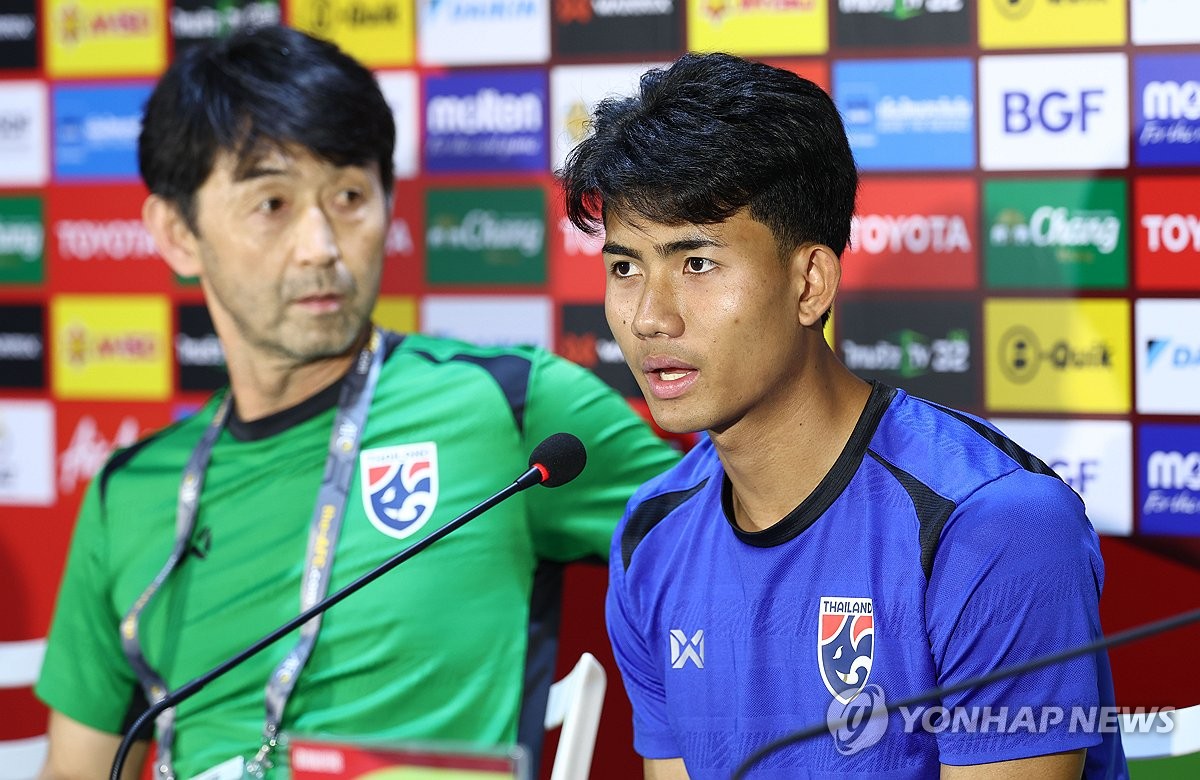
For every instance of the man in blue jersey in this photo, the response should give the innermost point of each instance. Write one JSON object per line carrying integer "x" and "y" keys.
{"x": 831, "y": 541}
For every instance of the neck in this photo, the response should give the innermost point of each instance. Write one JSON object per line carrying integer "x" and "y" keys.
{"x": 262, "y": 386}
{"x": 778, "y": 455}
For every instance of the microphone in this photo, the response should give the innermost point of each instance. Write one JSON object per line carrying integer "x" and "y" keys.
{"x": 1143, "y": 631}
{"x": 556, "y": 461}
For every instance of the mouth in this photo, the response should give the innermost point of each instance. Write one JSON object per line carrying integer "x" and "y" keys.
{"x": 320, "y": 303}
{"x": 668, "y": 377}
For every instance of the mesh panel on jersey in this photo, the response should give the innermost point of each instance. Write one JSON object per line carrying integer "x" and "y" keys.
{"x": 650, "y": 513}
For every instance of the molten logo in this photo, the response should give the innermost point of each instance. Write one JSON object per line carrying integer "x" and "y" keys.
{"x": 487, "y": 111}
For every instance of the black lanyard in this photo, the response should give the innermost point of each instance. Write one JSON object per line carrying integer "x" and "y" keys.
{"x": 344, "y": 443}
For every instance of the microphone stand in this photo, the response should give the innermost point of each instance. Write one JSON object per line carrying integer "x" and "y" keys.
{"x": 534, "y": 476}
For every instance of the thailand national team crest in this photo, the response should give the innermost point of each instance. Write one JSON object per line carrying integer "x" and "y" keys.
{"x": 845, "y": 645}
{"x": 399, "y": 486}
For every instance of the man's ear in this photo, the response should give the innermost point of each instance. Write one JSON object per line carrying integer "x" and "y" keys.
{"x": 818, "y": 273}
{"x": 174, "y": 238}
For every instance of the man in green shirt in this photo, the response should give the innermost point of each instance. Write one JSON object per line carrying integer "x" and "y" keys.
{"x": 268, "y": 158}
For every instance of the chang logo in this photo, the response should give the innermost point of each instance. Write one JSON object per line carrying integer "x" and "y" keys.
{"x": 482, "y": 230}
{"x": 21, "y": 239}
{"x": 1058, "y": 227}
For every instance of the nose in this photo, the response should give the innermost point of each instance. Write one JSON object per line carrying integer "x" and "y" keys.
{"x": 316, "y": 242}
{"x": 657, "y": 312}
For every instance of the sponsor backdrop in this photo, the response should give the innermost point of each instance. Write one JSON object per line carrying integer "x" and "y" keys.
{"x": 1027, "y": 243}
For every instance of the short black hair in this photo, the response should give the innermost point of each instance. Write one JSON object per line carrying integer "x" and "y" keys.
{"x": 711, "y": 135}
{"x": 260, "y": 88}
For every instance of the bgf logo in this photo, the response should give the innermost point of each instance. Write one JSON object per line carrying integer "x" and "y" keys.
{"x": 1076, "y": 473}
{"x": 1055, "y": 111}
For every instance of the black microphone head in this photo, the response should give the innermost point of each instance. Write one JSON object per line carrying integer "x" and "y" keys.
{"x": 560, "y": 458}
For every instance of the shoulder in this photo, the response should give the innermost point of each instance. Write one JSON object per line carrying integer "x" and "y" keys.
{"x": 977, "y": 493}
{"x": 436, "y": 352}
{"x": 432, "y": 368}
{"x": 514, "y": 368}
{"x": 667, "y": 495}
{"x": 952, "y": 452}
{"x": 166, "y": 449}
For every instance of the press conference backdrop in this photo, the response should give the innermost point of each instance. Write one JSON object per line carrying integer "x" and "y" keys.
{"x": 1027, "y": 244}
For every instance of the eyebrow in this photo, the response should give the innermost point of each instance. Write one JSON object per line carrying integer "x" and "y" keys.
{"x": 258, "y": 171}
{"x": 665, "y": 250}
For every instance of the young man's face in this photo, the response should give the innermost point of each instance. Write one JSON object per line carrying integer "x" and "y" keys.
{"x": 291, "y": 251}
{"x": 707, "y": 318}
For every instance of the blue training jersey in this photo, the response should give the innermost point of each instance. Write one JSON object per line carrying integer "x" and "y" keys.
{"x": 934, "y": 551}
